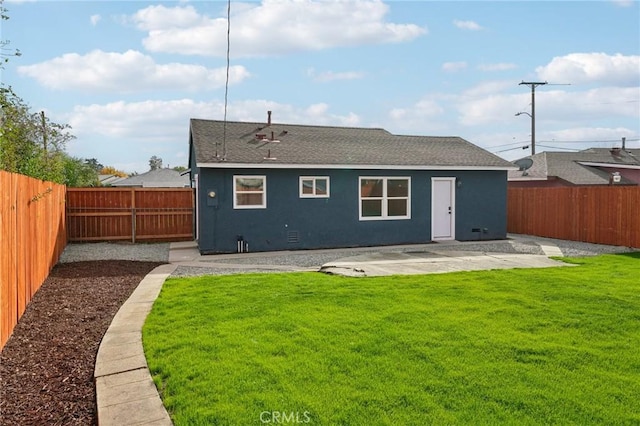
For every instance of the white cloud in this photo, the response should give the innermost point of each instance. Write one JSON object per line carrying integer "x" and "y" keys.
{"x": 134, "y": 131}
{"x": 502, "y": 66}
{"x": 553, "y": 106}
{"x": 489, "y": 109}
{"x": 273, "y": 27}
{"x": 623, "y": 3}
{"x": 612, "y": 136}
{"x": 467, "y": 25}
{"x": 453, "y": 66}
{"x": 598, "y": 68}
{"x": 168, "y": 121}
{"x": 153, "y": 121}
{"x": 423, "y": 116}
{"x": 489, "y": 88}
{"x": 327, "y": 76}
{"x": 157, "y": 18}
{"x": 94, "y": 19}
{"x": 126, "y": 72}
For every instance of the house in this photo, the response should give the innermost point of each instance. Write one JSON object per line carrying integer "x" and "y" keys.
{"x": 594, "y": 166}
{"x": 108, "y": 179}
{"x": 267, "y": 186}
{"x": 158, "y": 178}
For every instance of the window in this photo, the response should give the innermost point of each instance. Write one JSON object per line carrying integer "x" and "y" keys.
{"x": 385, "y": 198}
{"x": 314, "y": 187}
{"x": 249, "y": 192}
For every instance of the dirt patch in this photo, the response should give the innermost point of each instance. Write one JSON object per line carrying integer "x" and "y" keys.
{"x": 46, "y": 367}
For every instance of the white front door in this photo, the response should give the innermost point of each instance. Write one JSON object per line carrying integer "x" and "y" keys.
{"x": 443, "y": 208}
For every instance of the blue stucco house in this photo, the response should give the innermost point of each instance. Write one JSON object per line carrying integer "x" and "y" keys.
{"x": 270, "y": 186}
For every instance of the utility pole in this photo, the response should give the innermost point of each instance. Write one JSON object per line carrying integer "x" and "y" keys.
{"x": 44, "y": 131}
{"x": 533, "y": 85}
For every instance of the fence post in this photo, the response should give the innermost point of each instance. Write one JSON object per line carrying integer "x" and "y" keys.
{"x": 133, "y": 215}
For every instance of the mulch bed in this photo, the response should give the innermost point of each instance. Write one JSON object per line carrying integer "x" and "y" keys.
{"x": 46, "y": 367}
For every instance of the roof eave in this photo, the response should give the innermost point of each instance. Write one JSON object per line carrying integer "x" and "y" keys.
{"x": 225, "y": 165}
{"x": 526, "y": 179}
{"x": 610, "y": 165}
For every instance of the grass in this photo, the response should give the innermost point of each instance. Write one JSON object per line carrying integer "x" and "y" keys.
{"x": 534, "y": 346}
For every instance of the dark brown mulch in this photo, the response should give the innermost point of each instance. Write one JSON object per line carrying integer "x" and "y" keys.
{"x": 46, "y": 367}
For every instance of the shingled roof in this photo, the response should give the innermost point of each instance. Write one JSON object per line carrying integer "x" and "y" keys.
{"x": 579, "y": 168}
{"x": 158, "y": 178}
{"x": 292, "y": 145}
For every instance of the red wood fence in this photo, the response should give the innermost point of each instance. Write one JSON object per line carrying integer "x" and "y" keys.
{"x": 130, "y": 214}
{"x": 32, "y": 237}
{"x": 594, "y": 214}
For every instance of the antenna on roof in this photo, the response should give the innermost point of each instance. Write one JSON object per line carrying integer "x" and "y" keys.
{"x": 524, "y": 164}
{"x": 226, "y": 87}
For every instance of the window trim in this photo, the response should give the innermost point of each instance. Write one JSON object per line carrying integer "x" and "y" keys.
{"x": 385, "y": 199}
{"x": 263, "y": 192}
{"x": 314, "y": 195}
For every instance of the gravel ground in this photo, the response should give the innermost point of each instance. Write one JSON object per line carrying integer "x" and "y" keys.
{"x": 571, "y": 248}
{"x": 314, "y": 259}
{"x": 157, "y": 252}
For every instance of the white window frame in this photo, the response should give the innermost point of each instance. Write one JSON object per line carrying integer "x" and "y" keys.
{"x": 263, "y": 192}
{"x": 315, "y": 195}
{"x": 384, "y": 199}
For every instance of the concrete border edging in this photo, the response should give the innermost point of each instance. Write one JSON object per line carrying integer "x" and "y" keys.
{"x": 125, "y": 392}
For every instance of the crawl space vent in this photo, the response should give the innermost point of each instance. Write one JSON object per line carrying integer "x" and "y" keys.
{"x": 293, "y": 237}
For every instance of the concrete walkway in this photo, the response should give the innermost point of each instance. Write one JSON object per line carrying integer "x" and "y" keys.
{"x": 434, "y": 262}
{"x": 125, "y": 392}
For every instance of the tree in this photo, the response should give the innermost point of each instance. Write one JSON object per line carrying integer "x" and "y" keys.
{"x": 155, "y": 163}
{"x": 180, "y": 168}
{"x": 94, "y": 164}
{"x": 4, "y": 52}
{"x": 23, "y": 149}
{"x": 79, "y": 173}
{"x": 110, "y": 170}
{"x": 32, "y": 145}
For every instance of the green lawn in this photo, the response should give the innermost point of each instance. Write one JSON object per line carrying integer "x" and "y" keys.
{"x": 534, "y": 346}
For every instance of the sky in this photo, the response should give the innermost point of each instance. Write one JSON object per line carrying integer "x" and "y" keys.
{"x": 127, "y": 76}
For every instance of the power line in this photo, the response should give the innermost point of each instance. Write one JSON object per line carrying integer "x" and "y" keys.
{"x": 510, "y": 144}
{"x": 511, "y": 149}
{"x": 612, "y": 103}
{"x": 591, "y": 141}
{"x": 557, "y": 147}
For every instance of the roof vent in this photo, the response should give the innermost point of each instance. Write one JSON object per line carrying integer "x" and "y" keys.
{"x": 614, "y": 178}
{"x": 615, "y": 151}
{"x": 263, "y": 138}
{"x": 269, "y": 157}
{"x": 268, "y": 118}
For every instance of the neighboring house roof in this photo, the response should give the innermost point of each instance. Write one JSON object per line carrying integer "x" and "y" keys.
{"x": 579, "y": 168}
{"x": 239, "y": 144}
{"x": 109, "y": 179}
{"x": 158, "y": 178}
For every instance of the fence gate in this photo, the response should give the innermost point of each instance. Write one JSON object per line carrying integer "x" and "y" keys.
{"x": 129, "y": 214}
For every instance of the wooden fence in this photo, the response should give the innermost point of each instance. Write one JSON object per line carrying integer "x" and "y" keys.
{"x": 594, "y": 214}
{"x": 32, "y": 237}
{"x": 129, "y": 214}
